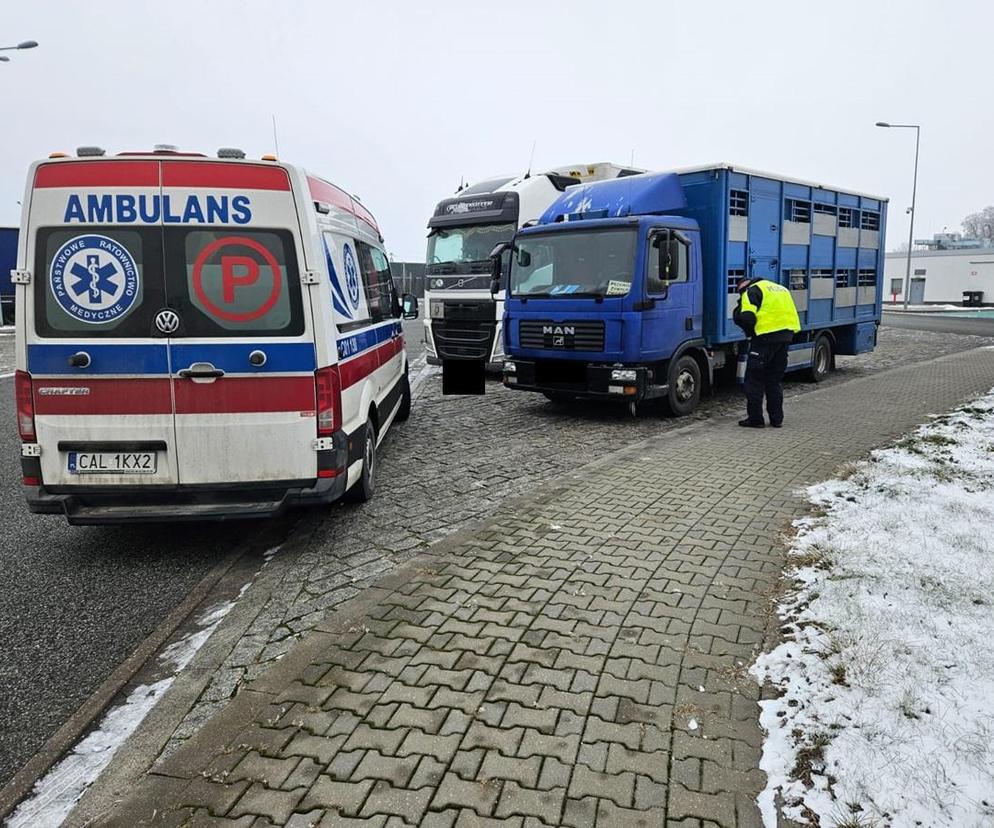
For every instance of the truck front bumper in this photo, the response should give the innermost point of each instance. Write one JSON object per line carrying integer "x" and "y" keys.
{"x": 568, "y": 378}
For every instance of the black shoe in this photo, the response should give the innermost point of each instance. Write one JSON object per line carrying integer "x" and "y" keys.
{"x": 777, "y": 425}
{"x": 747, "y": 423}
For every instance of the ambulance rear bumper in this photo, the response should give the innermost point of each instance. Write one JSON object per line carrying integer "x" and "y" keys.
{"x": 103, "y": 505}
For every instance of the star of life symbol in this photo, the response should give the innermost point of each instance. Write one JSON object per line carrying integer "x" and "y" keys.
{"x": 94, "y": 279}
{"x": 351, "y": 277}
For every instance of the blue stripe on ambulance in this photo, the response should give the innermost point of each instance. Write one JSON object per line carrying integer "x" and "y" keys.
{"x": 151, "y": 359}
{"x": 233, "y": 358}
{"x": 105, "y": 359}
{"x": 349, "y": 346}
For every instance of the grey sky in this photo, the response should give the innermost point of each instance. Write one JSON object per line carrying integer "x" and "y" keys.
{"x": 395, "y": 101}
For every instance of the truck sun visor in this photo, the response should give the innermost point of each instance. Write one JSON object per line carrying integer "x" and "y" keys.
{"x": 655, "y": 193}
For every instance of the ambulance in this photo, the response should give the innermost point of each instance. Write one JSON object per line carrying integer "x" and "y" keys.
{"x": 200, "y": 338}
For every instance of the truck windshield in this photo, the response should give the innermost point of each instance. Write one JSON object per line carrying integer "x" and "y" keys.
{"x": 452, "y": 245}
{"x": 580, "y": 263}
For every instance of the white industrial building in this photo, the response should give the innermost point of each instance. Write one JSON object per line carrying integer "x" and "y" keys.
{"x": 940, "y": 276}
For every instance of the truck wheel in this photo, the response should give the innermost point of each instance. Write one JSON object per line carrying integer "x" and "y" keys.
{"x": 404, "y": 412}
{"x": 362, "y": 489}
{"x": 684, "y": 392}
{"x": 821, "y": 360}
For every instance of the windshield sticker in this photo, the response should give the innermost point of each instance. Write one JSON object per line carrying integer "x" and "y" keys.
{"x": 237, "y": 279}
{"x": 94, "y": 279}
{"x": 558, "y": 289}
{"x": 618, "y": 288}
{"x": 351, "y": 277}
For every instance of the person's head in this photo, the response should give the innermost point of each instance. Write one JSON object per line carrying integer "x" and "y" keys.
{"x": 743, "y": 284}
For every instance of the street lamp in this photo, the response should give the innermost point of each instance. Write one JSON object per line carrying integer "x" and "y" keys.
{"x": 24, "y": 44}
{"x": 911, "y": 209}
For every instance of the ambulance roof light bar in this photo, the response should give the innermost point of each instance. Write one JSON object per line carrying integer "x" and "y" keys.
{"x": 230, "y": 152}
{"x": 90, "y": 152}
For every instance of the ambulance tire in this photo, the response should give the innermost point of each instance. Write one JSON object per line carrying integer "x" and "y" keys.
{"x": 684, "y": 392}
{"x": 404, "y": 412}
{"x": 362, "y": 490}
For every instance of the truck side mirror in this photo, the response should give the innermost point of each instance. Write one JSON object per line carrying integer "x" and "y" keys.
{"x": 410, "y": 303}
{"x": 665, "y": 260}
{"x": 495, "y": 265}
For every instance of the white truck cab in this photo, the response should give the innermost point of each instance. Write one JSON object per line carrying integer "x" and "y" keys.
{"x": 463, "y": 318}
{"x": 200, "y": 338}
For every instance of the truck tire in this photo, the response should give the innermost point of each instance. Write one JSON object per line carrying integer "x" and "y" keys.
{"x": 404, "y": 412}
{"x": 362, "y": 490}
{"x": 684, "y": 392}
{"x": 821, "y": 360}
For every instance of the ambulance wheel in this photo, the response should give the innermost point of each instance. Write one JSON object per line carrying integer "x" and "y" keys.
{"x": 821, "y": 360}
{"x": 404, "y": 412}
{"x": 684, "y": 392}
{"x": 362, "y": 489}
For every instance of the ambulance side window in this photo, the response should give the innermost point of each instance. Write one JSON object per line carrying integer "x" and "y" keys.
{"x": 377, "y": 282}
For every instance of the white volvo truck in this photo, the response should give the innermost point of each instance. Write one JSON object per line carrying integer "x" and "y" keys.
{"x": 463, "y": 319}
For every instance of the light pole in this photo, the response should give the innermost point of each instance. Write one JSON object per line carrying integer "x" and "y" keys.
{"x": 911, "y": 210}
{"x": 24, "y": 44}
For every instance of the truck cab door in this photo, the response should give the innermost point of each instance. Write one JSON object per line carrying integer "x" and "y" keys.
{"x": 671, "y": 312}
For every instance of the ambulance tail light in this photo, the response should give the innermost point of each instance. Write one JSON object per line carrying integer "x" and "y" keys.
{"x": 25, "y": 406}
{"x": 328, "y": 389}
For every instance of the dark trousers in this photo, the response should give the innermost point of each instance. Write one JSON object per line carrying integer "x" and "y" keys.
{"x": 764, "y": 376}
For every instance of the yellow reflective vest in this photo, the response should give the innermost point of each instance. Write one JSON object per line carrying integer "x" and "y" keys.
{"x": 774, "y": 311}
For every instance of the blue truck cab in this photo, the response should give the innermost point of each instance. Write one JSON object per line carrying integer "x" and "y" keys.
{"x": 625, "y": 288}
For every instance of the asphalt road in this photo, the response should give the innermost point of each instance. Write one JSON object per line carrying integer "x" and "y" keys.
{"x": 939, "y": 323}
{"x": 76, "y": 601}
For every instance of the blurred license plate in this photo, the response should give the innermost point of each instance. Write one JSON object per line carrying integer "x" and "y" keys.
{"x": 111, "y": 462}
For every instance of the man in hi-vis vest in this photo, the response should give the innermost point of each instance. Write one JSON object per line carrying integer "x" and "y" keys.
{"x": 767, "y": 314}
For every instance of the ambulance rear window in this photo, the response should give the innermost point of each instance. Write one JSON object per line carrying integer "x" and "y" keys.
{"x": 104, "y": 282}
{"x": 226, "y": 283}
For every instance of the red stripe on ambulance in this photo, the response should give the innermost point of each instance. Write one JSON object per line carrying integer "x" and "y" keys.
{"x": 207, "y": 174}
{"x": 117, "y": 395}
{"x": 245, "y": 395}
{"x": 321, "y": 190}
{"x": 98, "y": 174}
{"x": 360, "y": 367}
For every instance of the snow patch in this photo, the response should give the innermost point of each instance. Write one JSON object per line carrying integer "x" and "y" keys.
{"x": 886, "y": 673}
{"x": 55, "y": 794}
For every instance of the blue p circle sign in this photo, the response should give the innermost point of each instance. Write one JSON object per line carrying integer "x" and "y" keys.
{"x": 94, "y": 279}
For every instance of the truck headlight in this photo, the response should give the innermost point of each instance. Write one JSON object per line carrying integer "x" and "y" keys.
{"x": 437, "y": 310}
{"x": 624, "y": 375}
{"x": 510, "y": 368}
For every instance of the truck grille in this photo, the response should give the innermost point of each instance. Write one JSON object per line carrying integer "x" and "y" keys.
{"x": 463, "y": 340}
{"x": 562, "y": 336}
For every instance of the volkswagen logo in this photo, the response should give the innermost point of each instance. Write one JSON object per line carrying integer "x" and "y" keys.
{"x": 167, "y": 321}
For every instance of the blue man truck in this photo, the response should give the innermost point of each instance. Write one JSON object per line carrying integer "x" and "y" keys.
{"x": 625, "y": 288}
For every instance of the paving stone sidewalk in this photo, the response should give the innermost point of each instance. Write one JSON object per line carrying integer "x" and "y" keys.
{"x": 578, "y": 660}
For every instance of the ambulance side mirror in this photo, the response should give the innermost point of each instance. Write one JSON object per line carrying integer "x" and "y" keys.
{"x": 410, "y": 306}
